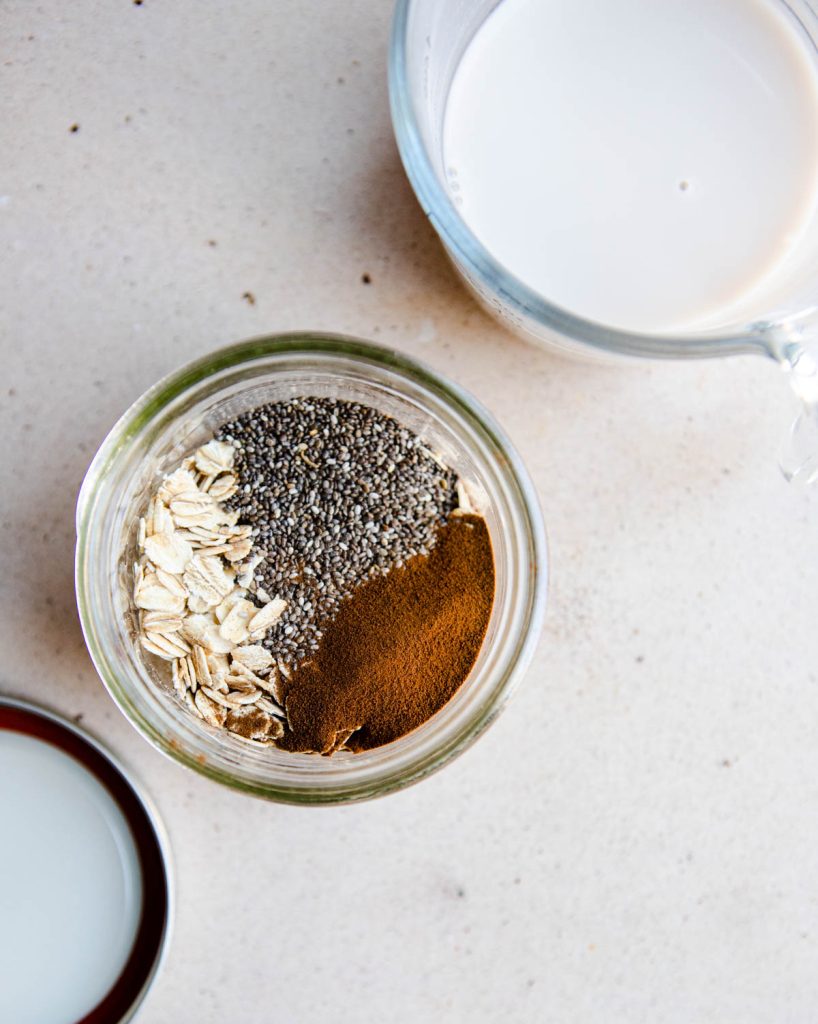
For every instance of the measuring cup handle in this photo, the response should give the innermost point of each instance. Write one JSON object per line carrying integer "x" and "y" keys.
{"x": 798, "y": 457}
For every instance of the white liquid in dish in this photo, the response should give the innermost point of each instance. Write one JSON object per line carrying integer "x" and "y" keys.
{"x": 648, "y": 165}
{"x": 71, "y": 893}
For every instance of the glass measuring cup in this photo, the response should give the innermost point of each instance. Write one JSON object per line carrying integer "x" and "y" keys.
{"x": 779, "y": 321}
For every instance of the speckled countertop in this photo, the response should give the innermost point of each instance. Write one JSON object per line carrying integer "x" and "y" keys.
{"x": 637, "y": 838}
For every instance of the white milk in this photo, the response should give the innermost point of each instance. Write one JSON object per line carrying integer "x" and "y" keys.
{"x": 71, "y": 891}
{"x": 649, "y": 164}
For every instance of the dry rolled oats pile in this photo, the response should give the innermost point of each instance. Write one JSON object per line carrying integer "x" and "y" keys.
{"x": 199, "y": 606}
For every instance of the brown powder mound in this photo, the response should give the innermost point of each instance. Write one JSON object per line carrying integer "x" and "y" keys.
{"x": 398, "y": 649}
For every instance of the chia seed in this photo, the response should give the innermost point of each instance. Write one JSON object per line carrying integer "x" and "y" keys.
{"x": 336, "y": 492}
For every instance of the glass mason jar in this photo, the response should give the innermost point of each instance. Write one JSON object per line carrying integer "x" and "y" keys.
{"x": 181, "y": 412}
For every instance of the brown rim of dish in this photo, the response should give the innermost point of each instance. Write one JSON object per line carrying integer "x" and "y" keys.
{"x": 132, "y": 983}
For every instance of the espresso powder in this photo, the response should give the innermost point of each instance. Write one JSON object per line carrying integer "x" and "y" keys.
{"x": 398, "y": 649}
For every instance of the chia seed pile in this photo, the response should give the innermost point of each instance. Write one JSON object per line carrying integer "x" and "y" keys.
{"x": 336, "y": 493}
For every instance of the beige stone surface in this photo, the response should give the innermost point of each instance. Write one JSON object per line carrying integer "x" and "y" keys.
{"x": 637, "y": 838}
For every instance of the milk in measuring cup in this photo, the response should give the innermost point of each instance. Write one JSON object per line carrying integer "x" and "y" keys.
{"x": 649, "y": 165}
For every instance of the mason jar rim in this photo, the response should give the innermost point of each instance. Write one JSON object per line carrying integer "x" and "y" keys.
{"x": 159, "y": 727}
